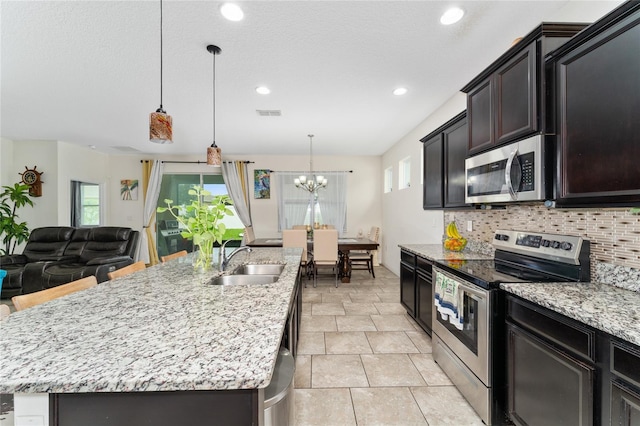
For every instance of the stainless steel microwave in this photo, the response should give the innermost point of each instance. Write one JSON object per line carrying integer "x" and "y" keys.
{"x": 510, "y": 173}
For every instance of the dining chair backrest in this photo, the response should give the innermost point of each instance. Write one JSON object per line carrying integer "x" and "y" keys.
{"x": 134, "y": 267}
{"x": 176, "y": 255}
{"x": 295, "y": 238}
{"x": 249, "y": 235}
{"x": 325, "y": 245}
{"x": 374, "y": 234}
{"x": 25, "y": 301}
{"x": 299, "y": 227}
{"x": 5, "y": 311}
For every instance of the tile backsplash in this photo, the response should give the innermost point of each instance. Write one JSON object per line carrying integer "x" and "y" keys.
{"x": 614, "y": 233}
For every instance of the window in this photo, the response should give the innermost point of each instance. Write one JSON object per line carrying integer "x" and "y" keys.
{"x": 176, "y": 187}
{"x": 85, "y": 204}
{"x": 388, "y": 179}
{"x": 404, "y": 173}
{"x": 329, "y": 204}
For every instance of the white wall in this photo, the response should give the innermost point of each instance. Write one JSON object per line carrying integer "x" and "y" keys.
{"x": 403, "y": 219}
{"x": 63, "y": 162}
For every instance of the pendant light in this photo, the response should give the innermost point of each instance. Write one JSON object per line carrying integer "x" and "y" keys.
{"x": 214, "y": 154}
{"x": 160, "y": 123}
{"x": 313, "y": 182}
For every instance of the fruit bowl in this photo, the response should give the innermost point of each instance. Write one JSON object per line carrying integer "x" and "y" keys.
{"x": 455, "y": 244}
{"x": 454, "y": 241}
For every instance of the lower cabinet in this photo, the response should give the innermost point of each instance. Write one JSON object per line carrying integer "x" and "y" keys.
{"x": 424, "y": 297}
{"x": 624, "y": 384}
{"x": 416, "y": 288}
{"x": 292, "y": 327}
{"x": 551, "y": 369}
{"x": 408, "y": 281}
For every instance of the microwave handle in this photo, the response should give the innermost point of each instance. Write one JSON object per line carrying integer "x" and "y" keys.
{"x": 513, "y": 157}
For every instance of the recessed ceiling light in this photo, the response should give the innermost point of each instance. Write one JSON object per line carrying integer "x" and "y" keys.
{"x": 263, "y": 90}
{"x": 400, "y": 91}
{"x": 232, "y": 12}
{"x": 451, "y": 16}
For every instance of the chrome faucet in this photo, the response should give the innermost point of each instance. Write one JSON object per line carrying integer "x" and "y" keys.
{"x": 223, "y": 259}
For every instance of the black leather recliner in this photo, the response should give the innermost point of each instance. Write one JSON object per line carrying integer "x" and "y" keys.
{"x": 44, "y": 245}
{"x": 95, "y": 251}
{"x": 50, "y": 260}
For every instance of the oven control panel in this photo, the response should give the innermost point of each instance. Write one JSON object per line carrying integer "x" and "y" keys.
{"x": 563, "y": 248}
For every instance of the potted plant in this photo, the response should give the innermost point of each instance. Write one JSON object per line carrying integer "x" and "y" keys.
{"x": 12, "y": 231}
{"x": 201, "y": 222}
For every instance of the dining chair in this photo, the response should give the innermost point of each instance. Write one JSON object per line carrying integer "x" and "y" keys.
{"x": 363, "y": 259}
{"x": 298, "y": 238}
{"x": 138, "y": 266}
{"x": 175, "y": 255}
{"x": 325, "y": 252}
{"x": 5, "y": 311}
{"x": 25, "y": 301}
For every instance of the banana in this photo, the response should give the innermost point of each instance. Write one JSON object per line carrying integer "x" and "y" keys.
{"x": 452, "y": 230}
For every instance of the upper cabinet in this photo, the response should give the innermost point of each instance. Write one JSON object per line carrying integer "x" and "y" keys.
{"x": 507, "y": 100}
{"x": 445, "y": 150}
{"x": 598, "y": 99}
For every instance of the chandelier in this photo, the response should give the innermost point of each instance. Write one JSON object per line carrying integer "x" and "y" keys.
{"x": 313, "y": 182}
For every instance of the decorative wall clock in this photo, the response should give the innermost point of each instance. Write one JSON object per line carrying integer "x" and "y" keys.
{"x": 31, "y": 177}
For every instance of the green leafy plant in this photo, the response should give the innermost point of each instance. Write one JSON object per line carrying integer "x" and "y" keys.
{"x": 201, "y": 221}
{"x": 12, "y": 231}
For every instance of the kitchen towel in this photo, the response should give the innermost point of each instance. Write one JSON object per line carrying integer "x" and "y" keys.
{"x": 448, "y": 300}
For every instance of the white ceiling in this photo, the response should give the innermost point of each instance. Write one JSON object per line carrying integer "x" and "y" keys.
{"x": 88, "y": 72}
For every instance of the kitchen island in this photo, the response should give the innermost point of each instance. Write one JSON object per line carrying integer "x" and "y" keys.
{"x": 159, "y": 347}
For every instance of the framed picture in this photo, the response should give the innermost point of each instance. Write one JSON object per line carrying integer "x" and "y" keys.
{"x": 129, "y": 189}
{"x": 262, "y": 184}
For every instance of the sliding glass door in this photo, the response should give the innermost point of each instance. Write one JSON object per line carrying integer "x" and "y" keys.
{"x": 176, "y": 187}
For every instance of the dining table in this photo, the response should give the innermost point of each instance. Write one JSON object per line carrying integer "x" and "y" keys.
{"x": 345, "y": 245}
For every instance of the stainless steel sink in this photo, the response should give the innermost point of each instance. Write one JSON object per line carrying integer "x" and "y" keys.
{"x": 259, "y": 269}
{"x": 244, "y": 279}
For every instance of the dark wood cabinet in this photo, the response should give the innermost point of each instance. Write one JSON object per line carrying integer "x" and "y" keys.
{"x": 408, "y": 281}
{"x": 416, "y": 288}
{"x": 551, "y": 367}
{"x": 424, "y": 296}
{"x": 445, "y": 150}
{"x": 432, "y": 195}
{"x": 507, "y": 100}
{"x": 598, "y": 99}
{"x": 624, "y": 385}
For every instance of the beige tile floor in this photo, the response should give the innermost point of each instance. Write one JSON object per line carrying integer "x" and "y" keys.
{"x": 363, "y": 361}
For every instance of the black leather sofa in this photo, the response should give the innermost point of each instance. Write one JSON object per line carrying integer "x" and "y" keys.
{"x": 60, "y": 254}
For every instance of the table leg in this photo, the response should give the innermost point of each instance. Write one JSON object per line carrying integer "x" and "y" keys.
{"x": 346, "y": 267}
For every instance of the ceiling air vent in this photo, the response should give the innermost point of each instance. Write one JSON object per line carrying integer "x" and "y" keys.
{"x": 269, "y": 112}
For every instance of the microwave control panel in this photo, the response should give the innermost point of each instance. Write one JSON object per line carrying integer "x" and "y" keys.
{"x": 527, "y": 169}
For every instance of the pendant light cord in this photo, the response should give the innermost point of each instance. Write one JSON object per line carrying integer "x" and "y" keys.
{"x": 214, "y": 101}
{"x": 161, "y": 54}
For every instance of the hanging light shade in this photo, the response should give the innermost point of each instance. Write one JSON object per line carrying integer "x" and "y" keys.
{"x": 160, "y": 123}
{"x": 214, "y": 154}
{"x": 312, "y": 182}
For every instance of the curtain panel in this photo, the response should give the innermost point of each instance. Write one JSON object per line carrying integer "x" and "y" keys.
{"x": 151, "y": 179}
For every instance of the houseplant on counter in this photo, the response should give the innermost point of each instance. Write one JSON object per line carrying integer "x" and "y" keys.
{"x": 201, "y": 222}
{"x": 12, "y": 231}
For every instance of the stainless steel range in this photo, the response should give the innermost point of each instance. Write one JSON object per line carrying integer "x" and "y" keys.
{"x": 468, "y": 319}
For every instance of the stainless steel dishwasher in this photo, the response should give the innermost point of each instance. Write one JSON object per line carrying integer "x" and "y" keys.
{"x": 278, "y": 396}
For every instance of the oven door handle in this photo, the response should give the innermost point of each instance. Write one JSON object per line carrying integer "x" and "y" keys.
{"x": 476, "y": 293}
{"x": 513, "y": 158}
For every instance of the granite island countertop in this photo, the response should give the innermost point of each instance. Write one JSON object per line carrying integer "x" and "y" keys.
{"x": 161, "y": 329}
{"x": 602, "y": 306}
{"x": 438, "y": 252}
